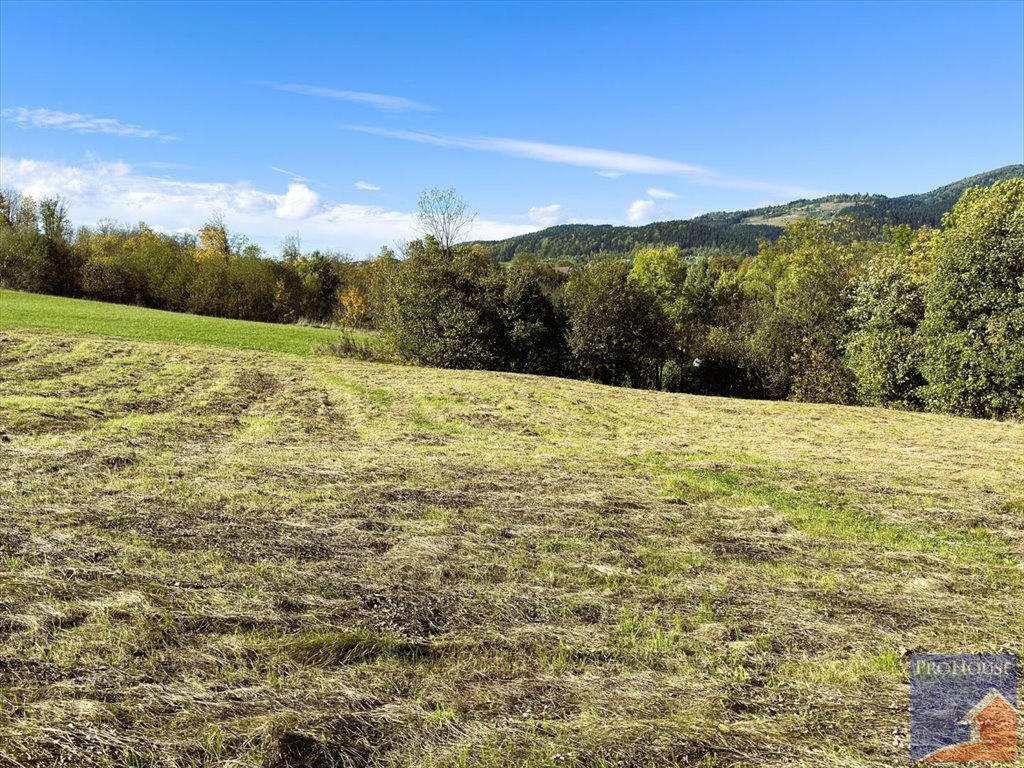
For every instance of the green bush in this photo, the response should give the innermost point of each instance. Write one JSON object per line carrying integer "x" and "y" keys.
{"x": 446, "y": 311}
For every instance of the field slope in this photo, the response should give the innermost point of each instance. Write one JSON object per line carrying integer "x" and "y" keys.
{"x": 33, "y": 310}
{"x": 217, "y": 557}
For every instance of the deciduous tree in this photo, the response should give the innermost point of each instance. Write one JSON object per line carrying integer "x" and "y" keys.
{"x": 974, "y": 314}
{"x": 617, "y": 331}
{"x": 444, "y": 216}
{"x": 883, "y": 348}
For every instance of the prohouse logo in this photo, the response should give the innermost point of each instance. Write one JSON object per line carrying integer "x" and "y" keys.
{"x": 963, "y": 708}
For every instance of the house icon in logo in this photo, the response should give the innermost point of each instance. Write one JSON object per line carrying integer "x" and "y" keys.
{"x": 993, "y": 722}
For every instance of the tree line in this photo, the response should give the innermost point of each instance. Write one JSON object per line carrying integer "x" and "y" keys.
{"x": 923, "y": 319}
{"x": 208, "y": 273}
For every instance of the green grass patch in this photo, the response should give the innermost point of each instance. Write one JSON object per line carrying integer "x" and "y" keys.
{"x": 835, "y": 520}
{"x": 55, "y": 313}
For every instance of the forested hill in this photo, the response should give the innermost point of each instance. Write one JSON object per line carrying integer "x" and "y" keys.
{"x": 581, "y": 241}
{"x": 740, "y": 231}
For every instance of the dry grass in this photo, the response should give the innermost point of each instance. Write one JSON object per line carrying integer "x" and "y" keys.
{"x": 229, "y": 558}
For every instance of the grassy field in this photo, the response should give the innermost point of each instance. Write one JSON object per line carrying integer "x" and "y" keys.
{"x": 221, "y": 557}
{"x": 33, "y": 310}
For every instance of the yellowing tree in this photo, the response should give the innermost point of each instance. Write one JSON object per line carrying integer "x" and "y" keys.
{"x": 353, "y": 307}
{"x": 213, "y": 241}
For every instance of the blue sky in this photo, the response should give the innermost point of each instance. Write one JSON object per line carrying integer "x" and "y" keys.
{"x": 328, "y": 120}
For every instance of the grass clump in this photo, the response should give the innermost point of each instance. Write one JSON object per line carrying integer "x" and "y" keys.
{"x": 328, "y": 648}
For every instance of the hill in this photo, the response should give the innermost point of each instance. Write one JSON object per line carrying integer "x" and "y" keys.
{"x": 740, "y": 231}
{"x": 220, "y": 557}
{"x": 584, "y": 241}
{"x": 874, "y": 210}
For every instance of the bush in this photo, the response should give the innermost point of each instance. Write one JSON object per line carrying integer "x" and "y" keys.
{"x": 351, "y": 345}
{"x": 820, "y": 377}
{"x": 445, "y": 310}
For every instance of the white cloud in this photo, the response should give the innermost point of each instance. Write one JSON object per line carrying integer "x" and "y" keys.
{"x": 610, "y": 174}
{"x": 24, "y": 117}
{"x": 603, "y": 161}
{"x": 290, "y": 174}
{"x": 367, "y": 186}
{"x": 42, "y": 179}
{"x": 661, "y": 194}
{"x": 641, "y": 211}
{"x": 547, "y": 215}
{"x": 378, "y": 100}
{"x": 100, "y": 190}
{"x": 299, "y": 202}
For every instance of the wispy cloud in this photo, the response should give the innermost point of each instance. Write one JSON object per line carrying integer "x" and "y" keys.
{"x": 547, "y": 215}
{"x": 367, "y": 186}
{"x": 661, "y": 194}
{"x": 585, "y": 157}
{"x": 289, "y": 174}
{"x": 610, "y": 174}
{"x": 601, "y": 160}
{"x": 24, "y": 117}
{"x": 379, "y": 100}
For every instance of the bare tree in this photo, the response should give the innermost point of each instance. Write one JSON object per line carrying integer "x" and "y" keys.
{"x": 444, "y": 216}
{"x": 10, "y": 201}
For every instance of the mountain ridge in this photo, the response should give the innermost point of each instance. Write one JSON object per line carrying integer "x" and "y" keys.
{"x": 740, "y": 231}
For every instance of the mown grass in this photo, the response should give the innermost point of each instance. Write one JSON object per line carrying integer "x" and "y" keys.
{"x": 222, "y": 557}
{"x": 33, "y": 310}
